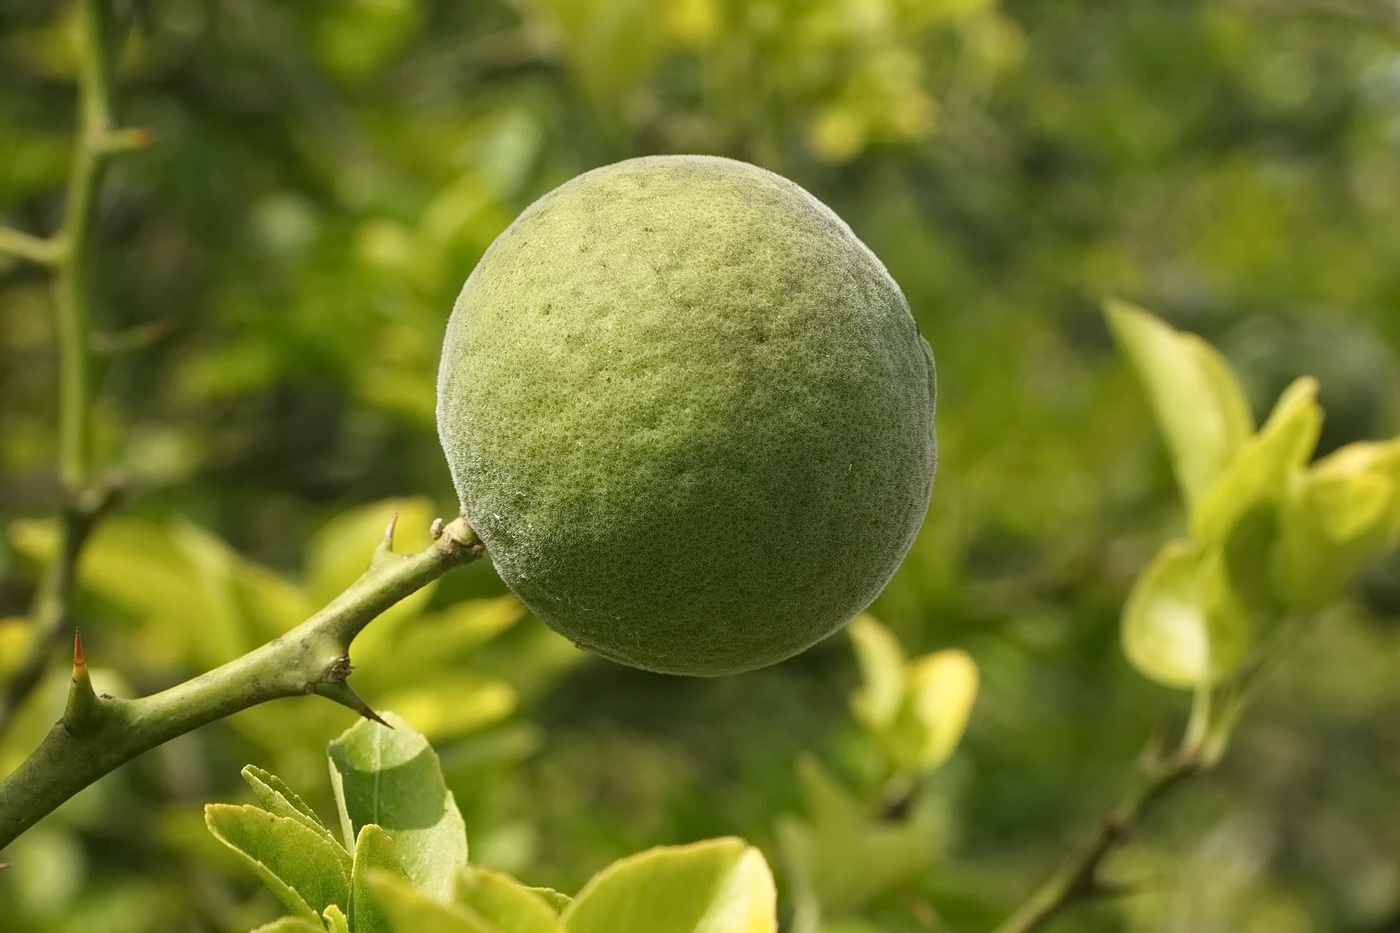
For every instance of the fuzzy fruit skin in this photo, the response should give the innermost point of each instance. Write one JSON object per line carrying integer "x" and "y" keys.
{"x": 689, "y": 414}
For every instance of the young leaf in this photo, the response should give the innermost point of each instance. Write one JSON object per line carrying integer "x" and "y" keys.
{"x": 276, "y": 797}
{"x": 391, "y": 777}
{"x": 305, "y": 870}
{"x": 1200, "y": 408}
{"x": 719, "y": 886}
{"x": 502, "y": 900}
{"x": 1182, "y": 624}
{"x": 336, "y": 921}
{"x": 936, "y": 707}
{"x": 290, "y": 925}
{"x": 1336, "y": 517}
{"x": 841, "y": 855}
{"x": 410, "y": 910}
{"x": 1260, "y": 470}
{"x": 374, "y": 851}
{"x": 876, "y": 703}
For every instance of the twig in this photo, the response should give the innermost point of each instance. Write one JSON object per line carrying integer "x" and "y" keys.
{"x": 27, "y": 246}
{"x": 70, "y": 256}
{"x": 1079, "y": 878}
{"x": 99, "y": 734}
{"x": 50, "y": 612}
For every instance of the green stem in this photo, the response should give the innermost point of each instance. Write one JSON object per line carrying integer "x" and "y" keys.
{"x": 70, "y": 256}
{"x": 1078, "y": 878}
{"x": 311, "y": 658}
{"x": 73, "y": 271}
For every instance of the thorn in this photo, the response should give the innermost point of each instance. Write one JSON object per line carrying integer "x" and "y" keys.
{"x": 4, "y": 865}
{"x": 340, "y": 692}
{"x": 83, "y": 707}
{"x": 435, "y": 529}
{"x": 385, "y": 549}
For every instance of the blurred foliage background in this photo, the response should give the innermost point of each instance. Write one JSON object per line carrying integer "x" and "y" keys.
{"x": 275, "y": 274}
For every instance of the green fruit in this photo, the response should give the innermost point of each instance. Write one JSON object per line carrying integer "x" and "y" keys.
{"x": 689, "y": 414}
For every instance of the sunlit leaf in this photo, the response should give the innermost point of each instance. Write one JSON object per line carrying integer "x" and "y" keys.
{"x": 391, "y": 777}
{"x": 290, "y": 925}
{"x": 336, "y": 921}
{"x": 842, "y": 854}
{"x": 410, "y": 910}
{"x": 306, "y": 871}
{"x": 279, "y": 799}
{"x": 719, "y": 886}
{"x": 876, "y": 702}
{"x": 937, "y": 704}
{"x": 502, "y": 900}
{"x": 1260, "y": 469}
{"x": 1337, "y": 517}
{"x": 1183, "y": 625}
{"x": 1200, "y": 408}
{"x": 374, "y": 851}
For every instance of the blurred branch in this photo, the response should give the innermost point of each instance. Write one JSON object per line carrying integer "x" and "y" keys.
{"x": 27, "y": 246}
{"x": 70, "y": 255}
{"x": 99, "y": 734}
{"x": 50, "y": 612}
{"x": 1080, "y": 879}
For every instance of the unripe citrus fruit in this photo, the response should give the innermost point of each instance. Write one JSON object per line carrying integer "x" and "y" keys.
{"x": 688, "y": 413}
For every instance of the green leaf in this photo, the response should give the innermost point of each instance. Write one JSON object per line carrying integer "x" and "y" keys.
{"x": 843, "y": 857}
{"x": 306, "y": 871}
{"x": 876, "y": 703}
{"x": 391, "y": 777}
{"x": 336, "y": 921}
{"x": 719, "y": 886}
{"x": 935, "y": 709}
{"x": 557, "y": 900}
{"x": 502, "y": 900}
{"x": 410, "y": 910}
{"x": 1183, "y": 624}
{"x": 277, "y": 798}
{"x": 1198, "y": 403}
{"x": 374, "y": 851}
{"x": 290, "y": 925}
{"x": 1337, "y": 517}
{"x": 1260, "y": 470}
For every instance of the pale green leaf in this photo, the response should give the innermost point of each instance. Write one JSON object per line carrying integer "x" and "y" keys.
{"x": 410, "y": 910}
{"x": 936, "y": 707}
{"x": 502, "y": 900}
{"x": 1200, "y": 408}
{"x": 391, "y": 777}
{"x": 279, "y": 799}
{"x": 290, "y": 925}
{"x": 1183, "y": 624}
{"x": 719, "y": 886}
{"x": 374, "y": 851}
{"x": 336, "y": 921}
{"x": 1259, "y": 471}
{"x": 843, "y": 855}
{"x": 306, "y": 871}
{"x": 1337, "y": 517}
{"x": 876, "y": 702}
